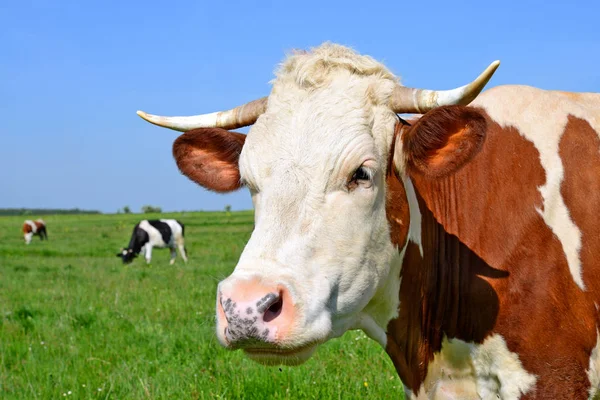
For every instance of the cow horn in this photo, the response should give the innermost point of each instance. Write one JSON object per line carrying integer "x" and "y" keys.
{"x": 408, "y": 100}
{"x": 244, "y": 115}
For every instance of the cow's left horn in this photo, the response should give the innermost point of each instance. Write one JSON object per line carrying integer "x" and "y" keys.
{"x": 244, "y": 115}
{"x": 408, "y": 100}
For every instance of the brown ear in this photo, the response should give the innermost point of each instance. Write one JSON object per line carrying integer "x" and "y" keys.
{"x": 210, "y": 157}
{"x": 443, "y": 140}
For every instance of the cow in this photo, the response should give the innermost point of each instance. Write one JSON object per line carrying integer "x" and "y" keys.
{"x": 31, "y": 228}
{"x": 150, "y": 233}
{"x": 462, "y": 239}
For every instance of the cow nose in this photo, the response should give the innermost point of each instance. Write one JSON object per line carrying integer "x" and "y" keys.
{"x": 251, "y": 313}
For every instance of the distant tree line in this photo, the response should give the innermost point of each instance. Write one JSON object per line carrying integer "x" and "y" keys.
{"x": 151, "y": 209}
{"x": 45, "y": 211}
{"x": 145, "y": 210}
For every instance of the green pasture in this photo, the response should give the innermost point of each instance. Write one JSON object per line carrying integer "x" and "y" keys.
{"x": 76, "y": 323}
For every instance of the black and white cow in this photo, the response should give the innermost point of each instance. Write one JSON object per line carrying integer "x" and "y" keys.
{"x": 151, "y": 233}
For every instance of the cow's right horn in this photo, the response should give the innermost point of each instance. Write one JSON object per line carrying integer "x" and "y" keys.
{"x": 408, "y": 100}
{"x": 244, "y": 115}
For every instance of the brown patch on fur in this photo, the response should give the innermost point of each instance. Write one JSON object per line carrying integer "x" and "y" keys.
{"x": 579, "y": 151}
{"x": 210, "y": 157}
{"x": 443, "y": 140}
{"x": 492, "y": 265}
{"x": 26, "y": 228}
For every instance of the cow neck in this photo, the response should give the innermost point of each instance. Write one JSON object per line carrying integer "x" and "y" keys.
{"x": 138, "y": 239}
{"x": 444, "y": 291}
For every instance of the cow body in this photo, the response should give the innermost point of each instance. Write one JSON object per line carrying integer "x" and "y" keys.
{"x": 503, "y": 274}
{"x": 31, "y": 228}
{"x": 463, "y": 240}
{"x": 148, "y": 234}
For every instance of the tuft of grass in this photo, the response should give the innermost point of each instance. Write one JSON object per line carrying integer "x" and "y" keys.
{"x": 83, "y": 320}
{"x": 76, "y": 322}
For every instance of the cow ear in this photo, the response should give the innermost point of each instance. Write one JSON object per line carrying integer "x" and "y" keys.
{"x": 443, "y": 140}
{"x": 209, "y": 157}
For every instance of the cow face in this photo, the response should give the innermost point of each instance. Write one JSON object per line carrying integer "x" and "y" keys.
{"x": 320, "y": 260}
{"x": 127, "y": 255}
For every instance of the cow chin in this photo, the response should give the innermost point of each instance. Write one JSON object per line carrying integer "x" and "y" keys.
{"x": 288, "y": 357}
{"x": 272, "y": 353}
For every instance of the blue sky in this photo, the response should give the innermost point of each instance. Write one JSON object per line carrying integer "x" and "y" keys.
{"x": 73, "y": 73}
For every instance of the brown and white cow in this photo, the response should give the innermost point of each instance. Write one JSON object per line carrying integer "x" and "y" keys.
{"x": 464, "y": 241}
{"x": 37, "y": 227}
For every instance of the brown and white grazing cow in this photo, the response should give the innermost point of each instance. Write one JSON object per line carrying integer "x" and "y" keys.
{"x": 464, "y": 241}
{"x": 37, "y": 227}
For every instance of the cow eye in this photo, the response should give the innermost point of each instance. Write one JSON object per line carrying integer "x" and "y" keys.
{"x": 362, "y": 176}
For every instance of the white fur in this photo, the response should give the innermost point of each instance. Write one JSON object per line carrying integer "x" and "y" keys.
{"x": 543, "y": 122}
{"x": 28, "y": 237}
{"x": 414, "y": 231}
{"x": 367, "y": 324}
{"x": 464, "y": 370}
{"x": 594, "y": 369}
{"x": 384, "y": 305}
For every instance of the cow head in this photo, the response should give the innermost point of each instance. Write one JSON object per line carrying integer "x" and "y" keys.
{"x": 127, "y": 255}
{"x": 321, "y": 260}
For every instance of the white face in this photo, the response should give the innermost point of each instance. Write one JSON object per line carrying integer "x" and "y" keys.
{"x": 321, "y": 240}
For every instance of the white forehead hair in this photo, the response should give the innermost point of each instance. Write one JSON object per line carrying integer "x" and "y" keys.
{"x": 320, "y": 101}
{"x": 318, "y": 67}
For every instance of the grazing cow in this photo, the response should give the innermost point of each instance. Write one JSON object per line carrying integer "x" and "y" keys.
{"x": 463, "y": 240}
{"x": 158, "y": 233}
{"x": 37, "y": 227}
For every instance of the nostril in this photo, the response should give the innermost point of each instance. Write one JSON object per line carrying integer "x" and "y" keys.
{"x": 263, "y": 304}
{"x": 274, "y": 310}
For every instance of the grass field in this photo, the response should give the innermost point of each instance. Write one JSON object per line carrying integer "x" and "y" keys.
{"x": 76, "y": 323}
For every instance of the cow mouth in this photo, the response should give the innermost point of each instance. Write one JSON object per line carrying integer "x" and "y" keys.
{"x": 281, "y": 356}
